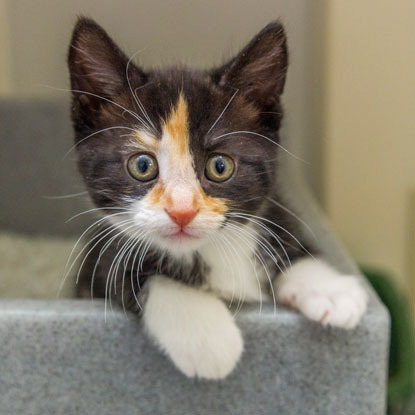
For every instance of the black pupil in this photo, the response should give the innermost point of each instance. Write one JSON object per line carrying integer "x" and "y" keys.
{"x": 143, "y": 164}
{"x": 219, "y": 165}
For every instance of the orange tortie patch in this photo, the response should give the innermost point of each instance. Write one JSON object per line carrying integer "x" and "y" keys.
{"x": 146, "y": 140}
{"x": 177, "y": 127}
{"x": 156, "y": 193}
{"x": 213, "y": 204}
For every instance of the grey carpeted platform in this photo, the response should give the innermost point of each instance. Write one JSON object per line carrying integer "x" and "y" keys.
{"x": 62, "y": 357}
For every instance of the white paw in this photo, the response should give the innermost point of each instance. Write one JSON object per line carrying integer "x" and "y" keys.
{"x": 322, "y": 294}
{"x": 194, "y": 328}
{"x": 211, "y": 352}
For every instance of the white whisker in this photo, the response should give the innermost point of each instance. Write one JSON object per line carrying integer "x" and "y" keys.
{"x": 223, "y": 111}
{"x": 113, "y": 270}
{"x": 223, "y": 252}
{"x": 264, "y": 244}
{"x": 255, "y": 272}
{"x": 95, "y": 133}
{"x": 95, "y": 209}
{"x": 135, "y": 96}
{"x": 247, "y": 215}
{"x": 103, "y": 249}
{"x": 263, "y": 136}
{"x": 261, "y": 260}
{"x": 66, "y": 270}
{"x": 127, "y": 259}
{"x": 77, "y": 91}
{"x": 101, "y": 252}
{"x": 271, "y": 233}
{"x": 227, "y": 258}
{"x": 132, "y": 266}
{"x": 106, "y": 232}
{"x": 65, "y": 196}
{"x": 292, "y": 214}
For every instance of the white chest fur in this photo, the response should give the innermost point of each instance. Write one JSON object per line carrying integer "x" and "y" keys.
{"x": 236, "y": 273}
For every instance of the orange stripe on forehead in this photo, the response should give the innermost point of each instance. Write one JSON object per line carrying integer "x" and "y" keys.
{"x": 145, "y": 139}
{"x": 178, "y": 185}
{"x": 178, "y": 127}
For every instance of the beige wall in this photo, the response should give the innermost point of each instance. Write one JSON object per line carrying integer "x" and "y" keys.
{"x": 6, "y": 86}
{"x": 370, "y": 130}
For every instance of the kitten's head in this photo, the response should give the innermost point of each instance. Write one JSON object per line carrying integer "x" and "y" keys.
{"x": 175, "y": 149}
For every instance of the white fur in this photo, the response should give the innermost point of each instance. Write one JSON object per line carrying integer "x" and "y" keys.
{"x": 156, "y": 223}
{"x": 234, "y": 273}
{"x": 322, "y": 294}
{"x": 193, "y": 327}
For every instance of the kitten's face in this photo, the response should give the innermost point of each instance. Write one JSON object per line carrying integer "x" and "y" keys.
{"x": 179, "y": 150}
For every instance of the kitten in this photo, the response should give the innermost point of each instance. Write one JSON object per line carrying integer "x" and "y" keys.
{"x": 182, "y": 163}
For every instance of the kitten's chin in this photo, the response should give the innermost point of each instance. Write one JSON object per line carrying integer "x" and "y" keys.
{"x": 180, "y": 242}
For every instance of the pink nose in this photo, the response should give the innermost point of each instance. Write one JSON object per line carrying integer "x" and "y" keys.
{"x": 182, "y": 216}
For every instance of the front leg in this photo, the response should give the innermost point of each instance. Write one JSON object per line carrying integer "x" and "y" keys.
{"x": 322, "y": 294}
{"x": 193, "y": 327}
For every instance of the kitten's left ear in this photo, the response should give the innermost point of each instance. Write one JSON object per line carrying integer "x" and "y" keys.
{"x": 259, "y": 70}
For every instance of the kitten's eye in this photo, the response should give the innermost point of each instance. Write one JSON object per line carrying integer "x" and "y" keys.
{"x": 219, "y": 168}
{"x": 143, "y": 167}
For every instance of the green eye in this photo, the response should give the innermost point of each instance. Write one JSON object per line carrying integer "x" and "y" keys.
{"x": 219, "y": 168}
{"x": 143, "y": 167}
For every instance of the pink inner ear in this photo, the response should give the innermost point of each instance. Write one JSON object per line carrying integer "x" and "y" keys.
{"x": 97, "y": 65}
{"x": 263, "y": 60}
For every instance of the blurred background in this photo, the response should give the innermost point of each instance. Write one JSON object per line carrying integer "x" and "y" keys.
{"x": 349, "y": 100}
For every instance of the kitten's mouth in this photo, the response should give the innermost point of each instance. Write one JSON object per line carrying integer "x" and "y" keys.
{"x": 180, "y": 235}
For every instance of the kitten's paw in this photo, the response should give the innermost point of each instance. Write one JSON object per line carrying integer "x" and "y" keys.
{"x": 341, "y": 305}
{"x": 194, "y": 328}
{"x": 322, "y": 294}
{"x": 211, "y": 352}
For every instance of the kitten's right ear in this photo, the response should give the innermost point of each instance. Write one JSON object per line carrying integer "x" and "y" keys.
{"x": 97, "y": 65}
